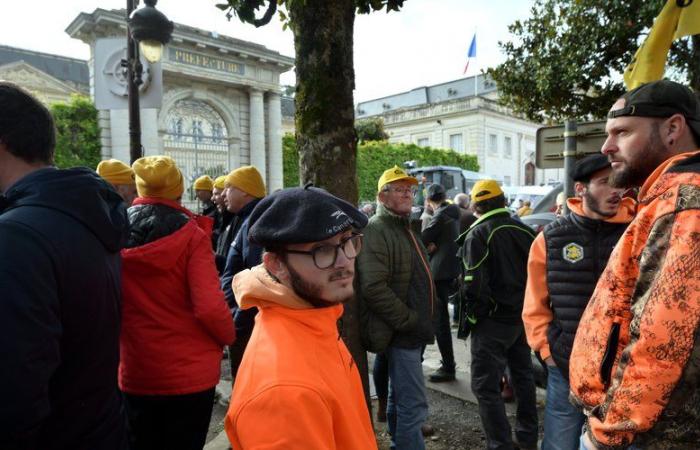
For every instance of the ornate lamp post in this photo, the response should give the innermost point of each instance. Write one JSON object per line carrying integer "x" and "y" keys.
{"x": 151, "y": 30}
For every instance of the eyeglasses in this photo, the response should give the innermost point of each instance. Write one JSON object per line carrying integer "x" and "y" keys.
{"x": 408, "y": 190}
{"x": 325, "y": 256}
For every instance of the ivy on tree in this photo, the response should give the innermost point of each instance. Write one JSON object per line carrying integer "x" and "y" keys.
{"x": 567, "y": 59}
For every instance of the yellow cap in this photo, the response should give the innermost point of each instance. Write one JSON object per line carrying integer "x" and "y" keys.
{"x": 248, "y": 180}
{"x": 115, "y": 172}
{"x": 204, "y": 183}
{"x": 158, "y": 176}
{"x": 396, "y": 173}
{"x": 220, "y": 182}
{"x": 485, "y": 189}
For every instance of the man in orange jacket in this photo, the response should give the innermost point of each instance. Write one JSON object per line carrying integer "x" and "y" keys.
{"x": 635, "y": 360}
{"x": 565, "y": 263}
{"x": 297, "y": 386}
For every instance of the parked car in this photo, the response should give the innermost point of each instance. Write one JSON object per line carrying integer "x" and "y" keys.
{"x": 538, "y": 221}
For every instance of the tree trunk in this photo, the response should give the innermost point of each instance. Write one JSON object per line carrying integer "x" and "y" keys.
{"x": 325, "y": 131}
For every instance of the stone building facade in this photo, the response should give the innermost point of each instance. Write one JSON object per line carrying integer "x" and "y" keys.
{"x": 221, "y": 104}
{"x": 468, "y": 119}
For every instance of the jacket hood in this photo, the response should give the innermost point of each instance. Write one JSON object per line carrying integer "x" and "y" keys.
{"x": 256, "y": 288}
{"x": 625, "y": 213}
{"x": 162, "y": 254}
{"x": 654, "y": 184}
{"x": 450, "y": 210}
{"x": 79, "y": 193}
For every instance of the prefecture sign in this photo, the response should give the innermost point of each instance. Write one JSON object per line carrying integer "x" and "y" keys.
{"x": 188, "y": 58}
{"x": 549, "y": 152}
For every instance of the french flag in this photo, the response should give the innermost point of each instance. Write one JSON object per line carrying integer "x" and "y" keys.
{"x": 472, "y": 53}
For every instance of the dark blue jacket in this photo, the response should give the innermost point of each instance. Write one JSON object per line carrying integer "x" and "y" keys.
{"x": 242, "y": 255}
{"x": 60, "y": 312}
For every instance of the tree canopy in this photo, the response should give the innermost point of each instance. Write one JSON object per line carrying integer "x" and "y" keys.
{"x": 246, "y": 10}
{"x": 567, "y": 59}
{"x": 370, "y": 130}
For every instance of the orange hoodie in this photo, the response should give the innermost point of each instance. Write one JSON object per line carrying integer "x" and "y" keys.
{"x": 297, "y": 386}
{"x": 636, "y": 357}
{"x": 537, "y": 313}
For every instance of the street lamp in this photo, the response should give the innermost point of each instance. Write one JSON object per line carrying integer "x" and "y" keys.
{"x": 151, "y": 29}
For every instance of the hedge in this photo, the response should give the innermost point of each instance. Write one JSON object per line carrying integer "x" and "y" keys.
{"x": 374, "y": 157}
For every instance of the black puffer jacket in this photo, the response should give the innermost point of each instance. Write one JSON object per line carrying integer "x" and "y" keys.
{"x": 150, "y": 222}
{"x": 60, "y": 312}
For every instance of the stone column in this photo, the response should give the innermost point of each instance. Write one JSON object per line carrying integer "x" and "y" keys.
{"x": 275, "y": 178}
{"x": 257, "y": 132}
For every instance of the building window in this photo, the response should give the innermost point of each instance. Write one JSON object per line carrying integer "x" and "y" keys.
{"x": 506, "y": 180}
{"x": 423, "y": 142}
{"x": 508, "y": 147}
{"x": 456, "y": 142}
{"x": 493, "y": 144}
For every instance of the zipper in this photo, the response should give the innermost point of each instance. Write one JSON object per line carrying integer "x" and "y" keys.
{"x": 427, "y": 271}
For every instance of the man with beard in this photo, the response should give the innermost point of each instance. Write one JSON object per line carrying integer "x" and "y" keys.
{"x": 397, "y": 296}
{"x": 222, "y": 220}
{"x": 635, "y": 360}
{"x": 565, "y": 263}
{"x": 298, "y": 386}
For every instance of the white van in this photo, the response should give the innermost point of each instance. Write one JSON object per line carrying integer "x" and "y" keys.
{"x": 532, "y": 193}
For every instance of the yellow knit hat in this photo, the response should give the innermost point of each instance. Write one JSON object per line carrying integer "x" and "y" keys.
{"x": 247, "y": 179}
{"x": 158, "y": 176}
{"x": 204, "y": 183}
{"x": 396, "y": 173}
{"x": 115, "y": 172}
{"x": 484, "y": 190}
{"x": 220, "y": 182}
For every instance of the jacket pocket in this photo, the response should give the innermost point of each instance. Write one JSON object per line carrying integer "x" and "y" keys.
{"x": 608, "y": 361}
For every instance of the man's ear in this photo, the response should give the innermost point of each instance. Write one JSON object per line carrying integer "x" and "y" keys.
{"x": 673, "y": 131}
{"x": 579, "y": 189}
{"x": 274, "y": 264}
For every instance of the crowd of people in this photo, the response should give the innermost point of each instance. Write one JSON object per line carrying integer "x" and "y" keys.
{"x": 117, "y": 303}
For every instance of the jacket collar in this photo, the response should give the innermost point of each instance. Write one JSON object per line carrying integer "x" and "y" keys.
{"x": 656, "y": 183}
{"x": 625, "y": 212}
{"x": 490, "y": 214}
{"x": 256, "y": 288}
{"x": 385, "y": 214}
{"x": 163, "y": 201}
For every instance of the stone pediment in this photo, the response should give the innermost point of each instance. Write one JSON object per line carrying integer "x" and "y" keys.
{"x": 34, "y": 80}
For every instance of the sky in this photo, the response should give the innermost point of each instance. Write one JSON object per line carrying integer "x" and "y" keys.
{"x": 425, "y": 43}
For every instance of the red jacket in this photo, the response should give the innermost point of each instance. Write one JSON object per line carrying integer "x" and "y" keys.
{"x": 175, "y": 320}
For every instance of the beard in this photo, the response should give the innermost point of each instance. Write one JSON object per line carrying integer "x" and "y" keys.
{"x": 594, "y": 205}
{"x": 311, "y": 292}
{"x": 636, "y": 171}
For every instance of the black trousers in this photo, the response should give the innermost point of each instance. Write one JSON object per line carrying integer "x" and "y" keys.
{"x": 175, "y": 422}
{"x": 493, "y": 346}
{"x": 441, "y": 324}
{"x": 236, "y": 352}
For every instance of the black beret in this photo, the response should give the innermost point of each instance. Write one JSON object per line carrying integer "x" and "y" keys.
{"x": 589, "y": 165}
{"x": 300, "y": 215}
{"x": 436, "y": 192}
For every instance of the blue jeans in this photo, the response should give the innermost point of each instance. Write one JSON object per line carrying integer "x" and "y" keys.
{"x": 407, "y": 407}
{"x": 583, "y": 447}
{"x": 562, "y": 421}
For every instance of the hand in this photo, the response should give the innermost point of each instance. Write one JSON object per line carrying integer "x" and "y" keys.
{"x": 550, "y": 362}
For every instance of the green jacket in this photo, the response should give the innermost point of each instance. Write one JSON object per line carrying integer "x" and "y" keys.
{"x": 395, "y": 296}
